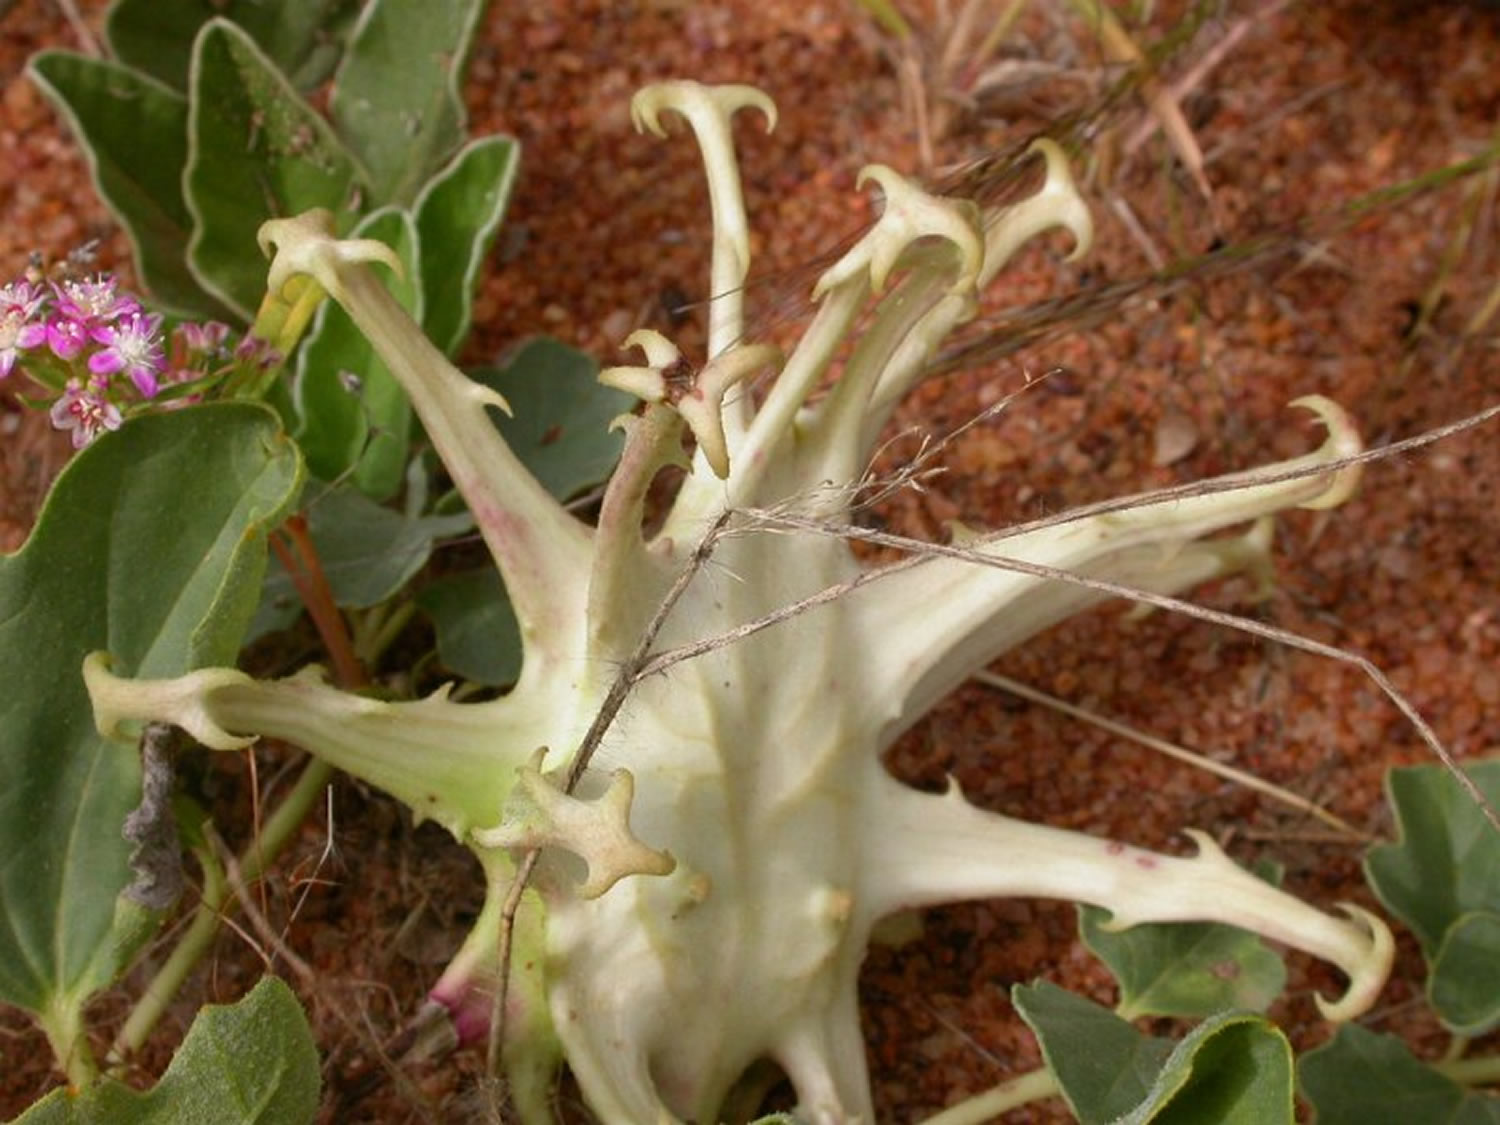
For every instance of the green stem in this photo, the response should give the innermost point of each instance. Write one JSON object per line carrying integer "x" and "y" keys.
{"x": 379, "y": 631}
{"x": 170, "y": 977}
{"x": 275, "y": 834}
{"x": 70, "y": 1045}
{"x": 889, "y": 17}
{"x": 1010, "y": 1094}
{"x": 281, "y": 321}
{"x": 997, "y": 33}
{"x": 283, "y": 317}
{"x": 1481, "y": 1070}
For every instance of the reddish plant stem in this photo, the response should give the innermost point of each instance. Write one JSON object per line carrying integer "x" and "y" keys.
{"x": 299, "y": 556}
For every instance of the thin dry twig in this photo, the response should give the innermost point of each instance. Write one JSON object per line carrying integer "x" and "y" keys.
{"x": 255, "y": 914}
{"x": 1256, "y": 477}
{"x": 1008, "y": 331}
{"x": 87, "y": 43}
{"x": 872, "y": 489}
{"x": 630, "y": 672}
{"x": 1201, "y": 69}
{"x": 1271, "y": 119}
{"x": 308, "y": 882}
{"x": 1137, "y": 232}
{"x": 1120, "y": 47}
{"x": 918, "y": 551}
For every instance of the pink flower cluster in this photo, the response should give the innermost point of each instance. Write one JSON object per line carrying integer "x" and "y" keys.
{"x": 78, "y": 338}
{"x": 96, "y": 332}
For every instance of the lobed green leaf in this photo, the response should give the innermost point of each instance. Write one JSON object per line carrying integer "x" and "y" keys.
{"x": 477, "y": 634}
{"x": 252, "y": 1063}
{"x": 560, "y": 415}
{"x": 1235, "y": 1068}
{"x": 1104, "y": 1065}
{"x": 457, "y": 215}
{"x": 133, "y": 131}
{"x": 1189, "y": 970}
{"x": 1442, "y": 878}
{"x": 368, "y": 551}
{"x": 1463, "y": 986}
{"x": 1446, "y": 858}
{"x": 256, "y": 151}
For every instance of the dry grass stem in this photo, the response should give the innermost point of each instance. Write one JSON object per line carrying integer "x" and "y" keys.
{"x": 1120, "y": 47}
{"x": 1345, "y": 830}
{"x": 1201, "y": 69}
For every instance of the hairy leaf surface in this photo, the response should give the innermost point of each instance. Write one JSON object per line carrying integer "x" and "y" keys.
{"x": 252, "y": 1063}
{"x": 133, "y": 131}
{"x": 97, "y": 573}
{"x": 560, "y": 415}
{"x": 397, "y": 98}
{"x": 1361, "y": 1078}
{"x": 248, "y": 127}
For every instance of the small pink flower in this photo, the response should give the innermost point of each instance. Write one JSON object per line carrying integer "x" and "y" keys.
{"x": 66, "y": 337}
{"x": 20, "y": 298}
{"x": 132, "y": 346}
{"x": 254, "y": 350}
{"x": 206, "y": 338}
{"x": 19, "y": 303}
{"x": 94, "y": 302}
{"x": 85, "y": 411}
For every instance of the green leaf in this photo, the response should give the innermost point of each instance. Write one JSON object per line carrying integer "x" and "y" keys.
{"x": 1235, "y": 1068}
{"x": 367, "y": 428}
{"x": 1442, "y": 878}
{"x": 1104, "y": 1065}
{"x": 477, "y": 634}
{"x": 133, "y": 131}
{"x": 367, "y": 551}
{"x": 1446, "y": 861}
{"x": 1361, "y": 1078}
{"x": 102, "y": 571}
{"x": 1188, "y": 969}
{"x": 302, "y": 37}
{"x": 1464, "y": 984}
{"x": 397, "y": 98}
{"x": 256, "y": 151}
{"x": 561, "y": 415}
{"x": 458, "y": 213}
{"x": 252, "y": 1063}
